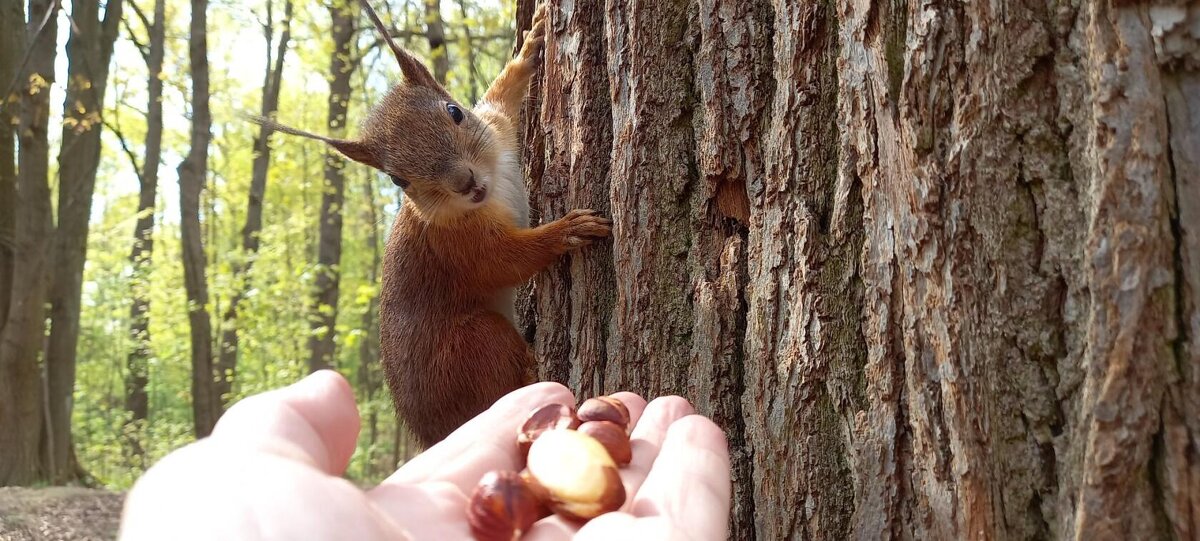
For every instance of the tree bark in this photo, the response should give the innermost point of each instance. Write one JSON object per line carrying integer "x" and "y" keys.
{"x": 89, "y": 50}
{"x": 435, "y": 33}
{"x": 272, "y": 81}
{"x": 22, "y": 330}
{"x": 192, "y": 174}
{"x": 22, "y": 432}
{"x": 136, "y": 399}
{"x": 329, "y": 247}
{"x": 12, "y": 47}
{"x": 933, "y": 266}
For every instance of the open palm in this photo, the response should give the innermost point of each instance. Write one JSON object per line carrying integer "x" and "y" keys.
{"x": 272, "y": 470}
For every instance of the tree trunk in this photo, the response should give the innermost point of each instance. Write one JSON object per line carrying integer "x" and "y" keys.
{"x": 435, "y": 32}
{"x": 329, "y": 247}
{"x": 472, "y": 70}
{"x": 272, "y": 81}
{"x": 23, "y": 334}
{"x": 12, "y": 47}
{"x": 933, "y": 266}
{"x": 368, "y": 347}
{"x": 136, "y": 398}
{"x": 88, "y": 52}
{"x": 192, "y": 174}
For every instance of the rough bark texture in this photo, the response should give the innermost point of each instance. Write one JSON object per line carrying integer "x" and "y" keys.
{"x": 192, "y": 174}
{"x": 272, "y": 81}
{"x": 89, "y": 50}
{"x": 136, "y": 399}
{"x": 933, "y": 265}
{"x": 23, "y": 331}
{"x": 329, "y": 248}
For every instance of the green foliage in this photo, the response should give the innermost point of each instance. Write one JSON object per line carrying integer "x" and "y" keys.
{"x": 272, "y": 317}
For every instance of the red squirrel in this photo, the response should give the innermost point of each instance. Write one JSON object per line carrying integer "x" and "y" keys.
{"x": 461, "y": 242}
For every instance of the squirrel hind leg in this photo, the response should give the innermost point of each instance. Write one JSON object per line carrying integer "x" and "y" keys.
{"x": 481, "y": 359}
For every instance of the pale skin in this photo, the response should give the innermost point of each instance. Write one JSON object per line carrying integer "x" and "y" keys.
{"x": 272, "y": 470}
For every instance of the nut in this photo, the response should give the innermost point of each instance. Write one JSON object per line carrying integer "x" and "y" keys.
{"x": 574, "y": 475}
{"x": 612, "y": 437}
{"x": 548, "y": 417}
{"x": 605, "y": 408}
{"x": 502, "y": 507}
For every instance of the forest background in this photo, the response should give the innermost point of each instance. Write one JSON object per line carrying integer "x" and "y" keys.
{"x": 291, "y": 239}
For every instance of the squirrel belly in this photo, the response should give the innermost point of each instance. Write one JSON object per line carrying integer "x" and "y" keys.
{"x": 449, "y": 343}
{"x": 510, "y": 193}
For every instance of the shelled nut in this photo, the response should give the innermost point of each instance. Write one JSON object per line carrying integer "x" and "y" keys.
{"x": 612, "y": 437}
{"x": 548, "y": 417}
{"x": 604, "y": 408}
{"x": 502, "y": 507}
{"x": 574, "y": 475}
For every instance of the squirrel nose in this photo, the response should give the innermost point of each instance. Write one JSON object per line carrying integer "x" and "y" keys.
{"x": 470, "y": 185}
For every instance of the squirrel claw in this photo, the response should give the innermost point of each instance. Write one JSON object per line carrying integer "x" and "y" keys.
{"x": 535, "y": 37}
{"x": 582, "y": 226}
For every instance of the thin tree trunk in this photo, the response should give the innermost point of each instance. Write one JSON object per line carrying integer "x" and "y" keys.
{"x": 89, "y": 50}
{"x": 192, "y": 174}
{"x": 23, "y": 331}
{"x": 368, "y": 348}
{"x": 329, "y": 248}
{"x": 472, "y": 70}
{"x": 435, "y": 33}
{"x": 137, "y": 377}
{"x": 272, "y": 81}
{"x": 933, "y": 266}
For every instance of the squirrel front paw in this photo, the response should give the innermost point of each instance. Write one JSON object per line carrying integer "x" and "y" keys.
{"x": 535, "y": 37}
{"x": 582, "y": 226}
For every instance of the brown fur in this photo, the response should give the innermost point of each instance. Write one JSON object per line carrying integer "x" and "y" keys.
{"x": 447, "y": 352}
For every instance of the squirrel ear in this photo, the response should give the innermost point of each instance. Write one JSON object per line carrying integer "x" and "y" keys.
{"x": 414, "y": 71}
{"x": 355, "y": 150}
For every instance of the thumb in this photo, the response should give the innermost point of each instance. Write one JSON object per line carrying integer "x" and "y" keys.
{"x": 314, "y": 421}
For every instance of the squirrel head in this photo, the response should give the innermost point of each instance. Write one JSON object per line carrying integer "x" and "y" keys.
{"x": 435, "y": 149}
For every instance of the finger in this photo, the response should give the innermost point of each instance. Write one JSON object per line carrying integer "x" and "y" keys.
{"x": 427, "y": 511}
{"x": 552, "y": 528}
{"x": 647, "y": 437}
{"x": 690, "y": 481}
{"x": 634, "y": 403}
{"x": 625, "y": 526}
{"x": 314, "y": 421}
{"x": 487, "y": 442}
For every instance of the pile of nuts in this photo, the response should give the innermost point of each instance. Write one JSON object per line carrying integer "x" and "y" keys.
{"x": 571, "y": 461}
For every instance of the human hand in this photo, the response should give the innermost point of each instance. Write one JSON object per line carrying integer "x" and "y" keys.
{"x": 272, "y": 467}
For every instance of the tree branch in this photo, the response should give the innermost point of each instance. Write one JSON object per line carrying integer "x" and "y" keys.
{"x": 137, "y": 168}
{"x": 145, "y": 52}
{"x": 141, "y": 15}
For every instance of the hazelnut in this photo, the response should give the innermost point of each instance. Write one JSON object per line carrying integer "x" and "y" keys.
{"x": 605, "y": 408}
{"x": 502, "y": 507}
{"x": 574, "y": 475}
{"x": 612, "y": 437}
{"x": 548, "y": 417}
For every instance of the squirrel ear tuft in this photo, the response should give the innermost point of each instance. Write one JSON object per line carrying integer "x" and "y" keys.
{"x": 414, "y": 71}
{"x": 355, "y": 150}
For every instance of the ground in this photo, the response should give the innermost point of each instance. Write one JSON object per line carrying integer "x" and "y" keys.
{"x": 58, "y": 513}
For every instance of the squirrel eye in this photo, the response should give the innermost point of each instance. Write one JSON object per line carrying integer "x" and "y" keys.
{"x": 455, "y": 113}
{"x": 399, "y": 181}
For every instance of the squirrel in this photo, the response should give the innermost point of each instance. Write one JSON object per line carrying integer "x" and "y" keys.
{"x": 461, "y": 241}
